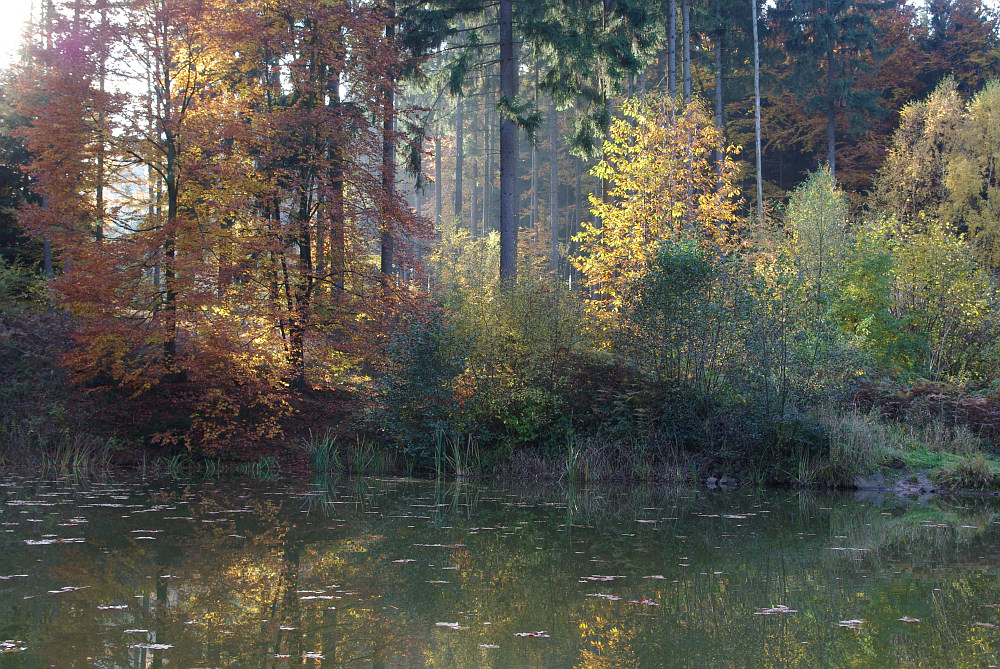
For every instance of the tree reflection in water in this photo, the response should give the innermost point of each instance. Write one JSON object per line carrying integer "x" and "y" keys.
{"x": 358, "y": 573}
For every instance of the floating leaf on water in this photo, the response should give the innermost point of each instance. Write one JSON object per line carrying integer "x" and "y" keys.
{"x": 67, "y": 588}
{"x": 453, "y": 626}
{"x": 153, "y": 646}
{"x": 853, "y": 623}
{"x": 780, "y": 608}
{"x": 909, "y": 619}
{"x": 646, "y": 602}
{"x": 12, "y": 646}
{"x": 49, "y": 542}
{"x": 541, "y": 634}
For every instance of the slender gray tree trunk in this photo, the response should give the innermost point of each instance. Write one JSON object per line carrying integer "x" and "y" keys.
{"x": 831, "y": 139}
{"x": 437, "y": 176}
{"x": 720, "y": 121}
{"x": 686, "y": 16}
{"x": 459, "y": 158}
{"x": 508, "y": 147}
{"x": 388, "y": 157}
{"x": 534, "y": 165}
{"x": 672, "y": 47}
{"x": 756, "y": 109}
{"x": 473, "y": 208}
{"x": 553, "y": 190}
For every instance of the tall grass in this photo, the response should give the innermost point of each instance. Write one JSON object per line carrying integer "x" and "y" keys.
{"x": 860, "y": 444}
{"x": 324, "y": 452}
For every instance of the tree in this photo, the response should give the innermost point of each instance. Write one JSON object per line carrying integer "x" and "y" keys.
{"x": 827, "y": 36}
{"x": 817, "y": 224}
{"x": 963, "y": 42}
{"x": 265, "y": 139}
{"x": 659, "y": 162}
{"x": 943, "y": 163}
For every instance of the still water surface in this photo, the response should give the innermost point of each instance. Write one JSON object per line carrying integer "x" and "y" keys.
{"x": 387, "y": 573}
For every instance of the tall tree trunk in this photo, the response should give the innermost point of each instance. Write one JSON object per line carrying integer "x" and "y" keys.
{"x": 303, "y": 288}
{"x": 388, "y": 153}
{"x": 534, "y": 165}
{"x": 101, "y": 76}
{"x": 756, "y": 110}
{"x": 437, "y": 175}
{"x": 490, "y": 141}
{"x": 831, "y": 116}
{"x": 338, "y": 223}
{"x": 672, "y": 47}
{"x": 438, "y": 125}
{"x": 553, "y": 190}
{"x": 576, "y": 223}
{"x": 661, "y": 69}
{"x": 474, "y": 133}
{"x": 686, "y": 16}
{"x": 720, "y": 121}
{"x": 459, "y": 157}
{"x": 508, "y": 147}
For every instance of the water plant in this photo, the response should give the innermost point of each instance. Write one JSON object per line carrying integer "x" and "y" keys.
{"x": 324, "y": 452}
{"x": 264, "y": 467}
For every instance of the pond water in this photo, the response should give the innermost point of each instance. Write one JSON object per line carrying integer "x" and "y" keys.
{"x": 390, "y": 573}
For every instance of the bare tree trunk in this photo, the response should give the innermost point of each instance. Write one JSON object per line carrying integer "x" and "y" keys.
{"x": 534, "y": 165}
{"x": 338, "y": 251}
{"x": 686, "y": 17}
{"x": 388, "y": 155}
{"x": 437, "y": 175}
{"x": 553, "y": 190}
{"x": 720, "y": 121}
{"x": 576, "y": 223}
{"x": 474, "y": 132}
{"x": 459, "y": 157}
{"x": 437, "y": 164}
{"x": 508, "y": 147}
{"x": 488, "y": 163}
{"x": 661, "y": 69}
{"x": 831, "y": 138}
{"x": 756, "y": 109}
{"x": 672, "y": 47}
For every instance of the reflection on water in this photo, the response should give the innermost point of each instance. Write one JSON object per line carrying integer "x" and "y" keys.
{"x": 380, "y": 573}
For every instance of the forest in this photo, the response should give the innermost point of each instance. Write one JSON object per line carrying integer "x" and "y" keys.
{"x": 576, "y": 239}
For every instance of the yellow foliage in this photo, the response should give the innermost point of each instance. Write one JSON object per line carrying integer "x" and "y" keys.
{"x": 663, "y": 182}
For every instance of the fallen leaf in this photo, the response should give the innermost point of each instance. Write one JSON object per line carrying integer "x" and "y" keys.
{"x": 780, "y": 608}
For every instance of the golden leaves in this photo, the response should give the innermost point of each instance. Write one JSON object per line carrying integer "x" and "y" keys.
{"x": 663, "y": 181}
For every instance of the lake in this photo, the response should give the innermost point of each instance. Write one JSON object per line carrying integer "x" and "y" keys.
{"x": 396, "y": 573}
